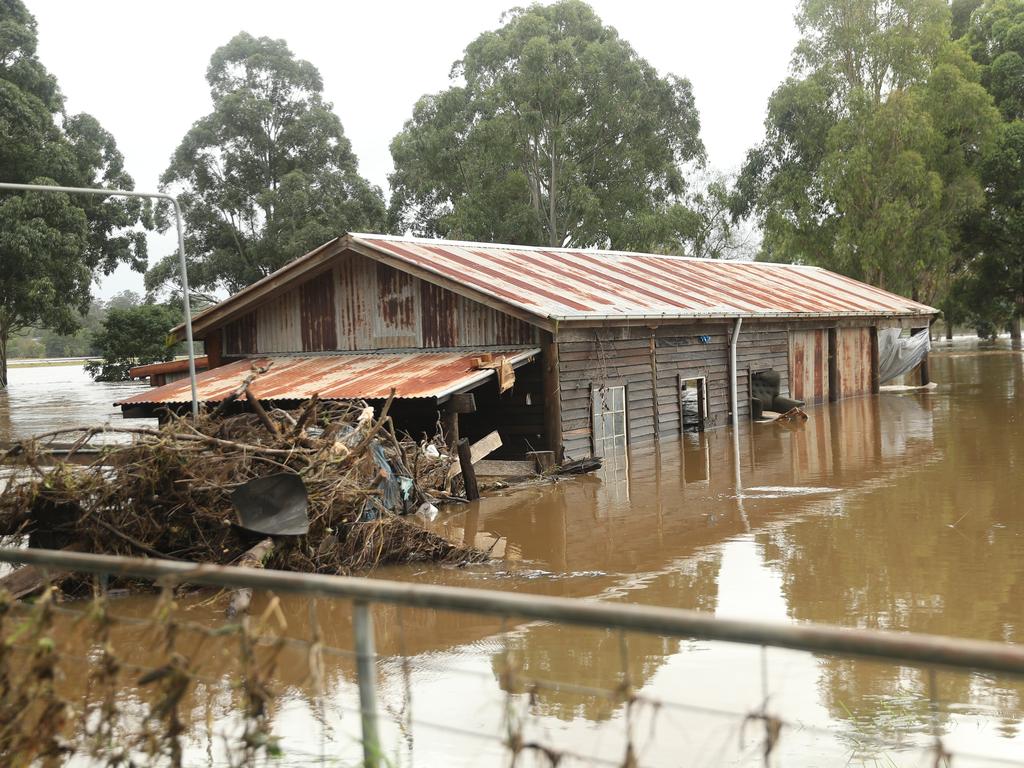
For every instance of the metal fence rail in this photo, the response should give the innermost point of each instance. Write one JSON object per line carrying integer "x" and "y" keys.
{"x": 900, "y": 648}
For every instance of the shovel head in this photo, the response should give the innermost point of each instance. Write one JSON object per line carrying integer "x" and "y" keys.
{"x": 275, "y": 505}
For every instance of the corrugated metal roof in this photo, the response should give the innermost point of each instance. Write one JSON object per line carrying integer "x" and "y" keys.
{"x": 571, "y": 284}
{"x": 171, "y": 366}
{"x": 338, "y": 377}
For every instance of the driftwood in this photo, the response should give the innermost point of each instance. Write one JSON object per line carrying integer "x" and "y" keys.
{"x": 254, "y": 557}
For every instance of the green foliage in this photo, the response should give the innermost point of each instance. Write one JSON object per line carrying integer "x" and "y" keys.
{"x": 51, "y": 245}
{"x": 992, "y": 283}
{"x": 870, "y": 161}
{"x": 133, "y": 336}
{"x": 267, "y": 175}
{"x": 994, "y": 38}
{"x": 560, "y": 135}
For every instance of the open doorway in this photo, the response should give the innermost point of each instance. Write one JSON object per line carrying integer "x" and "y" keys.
{"x": 693, "y": 403}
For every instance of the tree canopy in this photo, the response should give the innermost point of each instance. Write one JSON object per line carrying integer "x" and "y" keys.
{"x": 133, "y": 335}
{"x": 556, "y": 132}
{"x": 992, "y": 282}
{"x": 267, "y": 175}
{"x": 52, "y": 245}
{"x": 870, "y": 161}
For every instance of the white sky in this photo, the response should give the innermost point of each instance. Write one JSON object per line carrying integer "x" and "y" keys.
{"x": 139, "y": 66}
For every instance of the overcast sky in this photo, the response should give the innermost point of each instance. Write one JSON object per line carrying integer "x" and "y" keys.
{"x": 139, "y": 66}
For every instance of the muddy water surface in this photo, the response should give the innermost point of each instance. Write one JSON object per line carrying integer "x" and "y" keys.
{"x": 899, "y": 512}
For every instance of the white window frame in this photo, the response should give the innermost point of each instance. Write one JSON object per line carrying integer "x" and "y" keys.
{"x": 607, "y": 403}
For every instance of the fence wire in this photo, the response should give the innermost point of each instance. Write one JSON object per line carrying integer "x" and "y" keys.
{"x": 88, "y": 683}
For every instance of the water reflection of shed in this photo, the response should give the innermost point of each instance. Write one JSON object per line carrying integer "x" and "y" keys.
{"x": 608, "y": 346}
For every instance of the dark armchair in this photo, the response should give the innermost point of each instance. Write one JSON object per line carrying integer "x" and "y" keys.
{"x": 765, "y": 395}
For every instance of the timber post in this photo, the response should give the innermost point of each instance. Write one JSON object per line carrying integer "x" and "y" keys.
{"x": 552, "y": 398}
{"x": 468, "y": 473}
{"x": 923, "y": 367}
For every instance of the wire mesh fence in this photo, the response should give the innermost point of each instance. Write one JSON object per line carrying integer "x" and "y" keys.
{"x": 161, "y": 681}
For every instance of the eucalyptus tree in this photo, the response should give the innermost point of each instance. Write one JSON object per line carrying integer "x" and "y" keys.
{"x": 554, "y": 132}
{"x": 52, "y": 245}
{"x": 870, "y": 164}
{"x": 267, "y": 175}
{"x": 993, "y": 35}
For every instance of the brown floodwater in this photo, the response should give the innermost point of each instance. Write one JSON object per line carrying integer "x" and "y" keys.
{"x": 899, "y": 512}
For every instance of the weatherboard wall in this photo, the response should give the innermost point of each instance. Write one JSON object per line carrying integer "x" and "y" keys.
{"x": 598, "y": 357}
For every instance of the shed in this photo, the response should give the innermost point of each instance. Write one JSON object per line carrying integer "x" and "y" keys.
{"x": 607, "y": 346}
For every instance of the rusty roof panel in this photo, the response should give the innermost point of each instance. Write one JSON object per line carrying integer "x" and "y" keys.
{"x": 339, "y": 377}
{"x": 570, "y": 284}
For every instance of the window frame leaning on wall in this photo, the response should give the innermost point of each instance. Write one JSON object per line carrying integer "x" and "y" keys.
{"x": 599, "y": 410}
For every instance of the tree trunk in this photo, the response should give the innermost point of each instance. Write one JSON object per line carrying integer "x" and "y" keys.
{"x": 949, "y": 330}
{"x": 1015, "y": 331}
{"x": 3, "y": 359}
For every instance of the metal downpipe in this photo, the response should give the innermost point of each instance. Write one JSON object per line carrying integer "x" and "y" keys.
{"x": 733, "y": 395}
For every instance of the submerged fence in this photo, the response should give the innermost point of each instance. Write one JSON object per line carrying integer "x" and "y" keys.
{"x": 124, "y": 713}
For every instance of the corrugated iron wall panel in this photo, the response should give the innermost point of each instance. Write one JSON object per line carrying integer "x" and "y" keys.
{"x": 279, "y": 324}
{"x": 438, "y": 312}
{"x": 316, "y": 299}
{"x": 808, "y": 365}
{"x": 354, "y": 307}
{"x": 240, "y": 335}
{"x": 854, "y": 361}
{"x": 396, "y": 321}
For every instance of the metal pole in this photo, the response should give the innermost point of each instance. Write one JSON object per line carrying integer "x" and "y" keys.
{"x": 732, "y": 374}
{"x": 366, "y": 673}
{"x": 181, "y": 256}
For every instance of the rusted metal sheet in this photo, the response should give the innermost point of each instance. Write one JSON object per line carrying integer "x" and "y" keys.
{"x": 396, "y": 316}
{"x": 171, "y": 366}
{"x": 316, "y": 304}
{"x": 240, "y": 335}
{"x": 567, "y": 284}
{"x": 340, "y": 377}
{"x": 808, "y": 365}
{"x": 854, "y": 361}
{"x": 438, "y": 308}
{"x": 279, "y": 324}
{"x": 563, "y": 285}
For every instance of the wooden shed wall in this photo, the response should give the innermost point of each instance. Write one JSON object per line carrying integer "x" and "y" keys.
{"x": 360, "y": 304}
{"x": 622, "y": 356}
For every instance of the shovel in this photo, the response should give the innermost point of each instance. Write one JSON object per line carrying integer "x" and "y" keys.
{"x": 275, "y": 505}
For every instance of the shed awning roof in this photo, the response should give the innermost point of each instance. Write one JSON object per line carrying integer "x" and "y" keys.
{"x": 349, "y": 376}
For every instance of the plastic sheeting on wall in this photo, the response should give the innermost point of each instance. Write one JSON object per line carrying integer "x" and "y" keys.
{"x": 897, "y": 356}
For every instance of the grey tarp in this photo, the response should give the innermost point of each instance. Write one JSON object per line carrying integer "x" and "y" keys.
{"x": 896, "y": 355}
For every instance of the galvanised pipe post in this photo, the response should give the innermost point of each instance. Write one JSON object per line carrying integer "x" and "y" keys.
{"x": 366, "y": 673}
{"x": 181, "y": 257}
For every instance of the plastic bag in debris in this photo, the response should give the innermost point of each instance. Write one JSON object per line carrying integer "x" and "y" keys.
{"x": 395, "y": 490}
{"x": 427, "y": 511}
{"x": 897, "y": 356}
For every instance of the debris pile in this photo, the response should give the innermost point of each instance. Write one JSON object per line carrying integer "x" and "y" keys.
{"x": 174, "y": 492}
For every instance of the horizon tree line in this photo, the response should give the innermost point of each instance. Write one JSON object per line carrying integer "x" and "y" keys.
{"x": 893, "y": 153}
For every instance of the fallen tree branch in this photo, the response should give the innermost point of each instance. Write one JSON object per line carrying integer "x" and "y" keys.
{"x": 254, "y": 557}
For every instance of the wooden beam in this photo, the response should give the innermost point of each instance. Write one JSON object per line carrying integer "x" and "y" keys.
{"x": 923, "y": 366}
{"x": 479, "y": 450}
{"x": 552, "y": 397}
